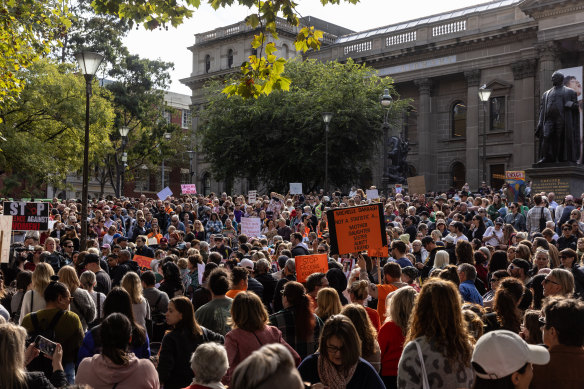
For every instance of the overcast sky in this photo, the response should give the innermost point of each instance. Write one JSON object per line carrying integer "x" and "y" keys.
{"x": 172, "y": 45}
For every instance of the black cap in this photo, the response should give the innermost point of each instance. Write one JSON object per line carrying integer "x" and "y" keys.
{"x": 90, "y": 258}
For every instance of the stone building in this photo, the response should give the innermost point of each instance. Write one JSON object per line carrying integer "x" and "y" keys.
{"x": 440, "y": 62}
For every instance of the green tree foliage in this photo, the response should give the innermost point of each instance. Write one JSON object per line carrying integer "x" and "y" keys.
{"x": 44, "y": 129}
{"x": 280, "y": 138}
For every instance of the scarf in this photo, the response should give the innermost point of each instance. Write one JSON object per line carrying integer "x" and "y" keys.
{"x": 331, "y": 377}
{"x": 212, "y": 385}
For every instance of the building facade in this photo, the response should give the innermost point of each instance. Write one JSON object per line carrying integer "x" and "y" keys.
{"x": 511, "y": 47}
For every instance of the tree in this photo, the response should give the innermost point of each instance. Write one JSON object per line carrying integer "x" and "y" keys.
{"x": 44, "y": 128}
{"x": 280, "y": 138}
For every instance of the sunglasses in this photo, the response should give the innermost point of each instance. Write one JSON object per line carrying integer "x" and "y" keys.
{"x": 547, "y": 281}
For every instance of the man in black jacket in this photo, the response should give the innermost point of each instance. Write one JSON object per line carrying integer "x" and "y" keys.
{"x": 262, "y": 268}
{"x": 298, "y": 248}
{"x": 124, "y": 265}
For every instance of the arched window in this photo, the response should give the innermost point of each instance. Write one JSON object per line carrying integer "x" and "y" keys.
{"x": 458, "y": 172}
{"x": 230, "y": 58}
{"x": 285, "y": 51}
{"x": 207, "y": 63}
{"x": 458, "y": 119}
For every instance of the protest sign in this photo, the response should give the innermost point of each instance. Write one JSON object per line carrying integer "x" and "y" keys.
{"x": 188, "y": 189}
{"x": 398, "y": 188}
{"x": 143, "y": 262}
{"x": 355, "y": 229}
{"x": 251, "y": 226}
{"x": 252, "y": 196}
{"x": 372, "y": 194}
{"x": 308, "y": 264}
{"x": 417, "y": 185}
{"x": 164, "y": 193}
{"x": 296, "y": 188}
{"x": 5, "y": 235}
{"x": 516, "y": 181}
{"x": 27, "y": 216}
{"x": 200, "y": 271}
{"x": 382, "y": 252}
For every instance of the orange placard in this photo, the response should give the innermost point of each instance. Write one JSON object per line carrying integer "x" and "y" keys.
{"x": 356, "y": 229}
{"x": 383, "y": 252}
{"x": 143, "y": 262}
{"x": 308, "y": 264}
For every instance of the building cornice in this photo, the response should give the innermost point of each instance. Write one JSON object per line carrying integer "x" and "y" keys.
{"x": 540, "y": 9}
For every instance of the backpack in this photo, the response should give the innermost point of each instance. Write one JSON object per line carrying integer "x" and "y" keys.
{"x": 42, "y": 363}
{"x": 15, "y": 317}
{"x": 158, "y": 323}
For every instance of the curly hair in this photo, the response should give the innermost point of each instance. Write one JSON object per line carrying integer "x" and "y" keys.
{"x": 464, "y": 253}
{"x": 360, "y": 319}
{"x": 437, "y": 315}
{"x": 507, "y": 299}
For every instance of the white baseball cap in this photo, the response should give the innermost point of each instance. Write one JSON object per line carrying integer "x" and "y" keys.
{"x": 247, "y": 263}
{"x": 501, "y": 353}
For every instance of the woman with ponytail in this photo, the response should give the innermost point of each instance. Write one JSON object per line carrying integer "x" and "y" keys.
{"x": 115, "y": 367}
{"x": 506, "y": 315}
{"x": 299, "y": 325}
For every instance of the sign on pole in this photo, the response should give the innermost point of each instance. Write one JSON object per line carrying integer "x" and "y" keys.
{"x": 251, "y": 226}
{"x": 188, "y": 189}
{"x": 143, "y": 261}
{"x": 27, "y": 216}
{"x": 252, "y": 196}
{"x": 5, "y": 235}
{"x": 355, "y": 229}
{"x": 516, "y": 181}
{"x": 372, "y": 194}
{"x": 398, "y": 188}
{"x": 296, "y": 188}
{"x": 309, "y": 264}
{"x": 164, "y": 193}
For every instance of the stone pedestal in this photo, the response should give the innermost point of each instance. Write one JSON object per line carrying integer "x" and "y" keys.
{"x": 562, "y": 179}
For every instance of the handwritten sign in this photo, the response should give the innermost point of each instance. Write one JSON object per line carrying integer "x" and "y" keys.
{"x": 372, "y": 194}
{"x": 251, "y": 226}
{"x": 188, "y": 189}
{"x": 398, "y": 188}
{"x": 355, "y": 229}
{"x": 143, "y": 261}
{"x": 27, "y": 216}
{"x": 164, "y": 193}
{"x": 382, "y": 252}
{"x": 252, "y": 196}
{"x": 296, "y": 188}
{"x": 309, "y": 264}
{"x": 417, "y": 185}
{"x": 5, "y": 234}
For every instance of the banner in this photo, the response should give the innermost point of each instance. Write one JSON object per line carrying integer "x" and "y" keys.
{"x": 5, "y": 235}
{"x": 143, "y": 262}
{"x": 356, "y": 229}
{"x": 252, "y": 196}
{"x": 309, "y": 264}
{"x": 27, "y": 216}
{"x": 251, "y": 226}
{"x": 164, "y": 193}
{"x": 296, "y": 188}
{"x": 516, "y": 184}
{"x": 188, "y": 189}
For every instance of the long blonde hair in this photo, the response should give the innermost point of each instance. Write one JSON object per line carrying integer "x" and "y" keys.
{"x": 12, "y": 369}
{"x": 131, "y": 283}
{"x": 41, "y": 277}
{"x": 399, "y": 305}
{"x": 328, "y": 303}
{"x": 68, "y": 276}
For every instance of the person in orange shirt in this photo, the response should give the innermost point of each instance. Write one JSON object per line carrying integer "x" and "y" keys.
{"x": 391, "y": 281}
{"x": 238, "y": 281}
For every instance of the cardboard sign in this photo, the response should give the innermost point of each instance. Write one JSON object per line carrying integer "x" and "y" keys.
{"x": 372, "y": 194}
{"x": 5, "y": 235}
{"x": 417, "y": 185}
{"x": 309, "y": 264}
{"x": 382, "y": 253}
{"x": 251, "y": 226}
{"x": 27, "y": 216}
{"x": 398, "y": 188}
{"x": 252, "y": 196}
{"x": 296, "y": 188}
{"x": 164, "y": 193}
{"x": 143, "y": 262}
{"x": 356, "y": 229}
{"x": 188, "y": 189}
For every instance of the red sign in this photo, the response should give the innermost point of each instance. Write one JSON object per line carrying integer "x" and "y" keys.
{"x": 143, "y": 262}
{"x": 309, "y": 264}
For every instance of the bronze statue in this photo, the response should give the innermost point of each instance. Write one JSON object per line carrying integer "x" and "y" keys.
{"x": 397, "y": 154}
{"x": 559, "y": 123}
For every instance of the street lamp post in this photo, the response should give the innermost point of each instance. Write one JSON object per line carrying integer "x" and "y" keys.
{"x": 484, "y": 95}
{"x": 124, "y": 131}
{"x": 191, "y": 170}
{"x": 386, "y": 100}
{"x": 88, "y": 64}
{"x": 326, "y": 118}
{"x": 167, "y": 136}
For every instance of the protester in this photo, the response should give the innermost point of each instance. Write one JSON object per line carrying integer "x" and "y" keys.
{"x": 209, "y": 364}
{"x": 81, "y": 302}
{"x": 140, "y": 307}
{"x": 358, "y": 295}
{"x": 33, "y": 299}
{"x": 370, "y": 350}
{"x": 328, "y": 303}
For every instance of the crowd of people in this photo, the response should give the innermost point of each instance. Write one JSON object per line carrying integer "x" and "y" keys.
{"x": 477, "y": 291}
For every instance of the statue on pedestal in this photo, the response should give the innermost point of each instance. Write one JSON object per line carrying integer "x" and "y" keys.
{"x": 397, "y": 154}
{"x": 559, "y": 123}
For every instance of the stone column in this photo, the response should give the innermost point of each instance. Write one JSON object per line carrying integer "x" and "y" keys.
{"x": 473, "y": 176}
{"x": 427, "y": 162}
{"x": 526, "y": 113}
{"x": 548, "y": 63}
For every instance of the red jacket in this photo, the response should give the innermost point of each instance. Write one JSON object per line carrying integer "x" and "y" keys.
{"x": 391, "y": 343}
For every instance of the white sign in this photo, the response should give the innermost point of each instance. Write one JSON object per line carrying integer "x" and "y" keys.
{"x": 164, "y": 193}
{"x": 251, "y": 226}
{"x": 200, "y": 271}
{"x": 5, "y": 235}
{"x": 372, "y": 194}
{"x": 188, "y": 188}
{"x": 398, "y": 188}
{"x": 252, "y": 196}
{"x": 296, "y": 188}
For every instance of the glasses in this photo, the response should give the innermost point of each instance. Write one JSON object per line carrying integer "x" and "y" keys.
{"x": 334, "y": 349}
{"x": 566, "y": 229}
{"x": 494, "y": 279}
{"x": 321, "y": 251}
{"x": 562, "y": 256}
{"x": 69, "y": 247}
{"x": 547, "y": 280}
